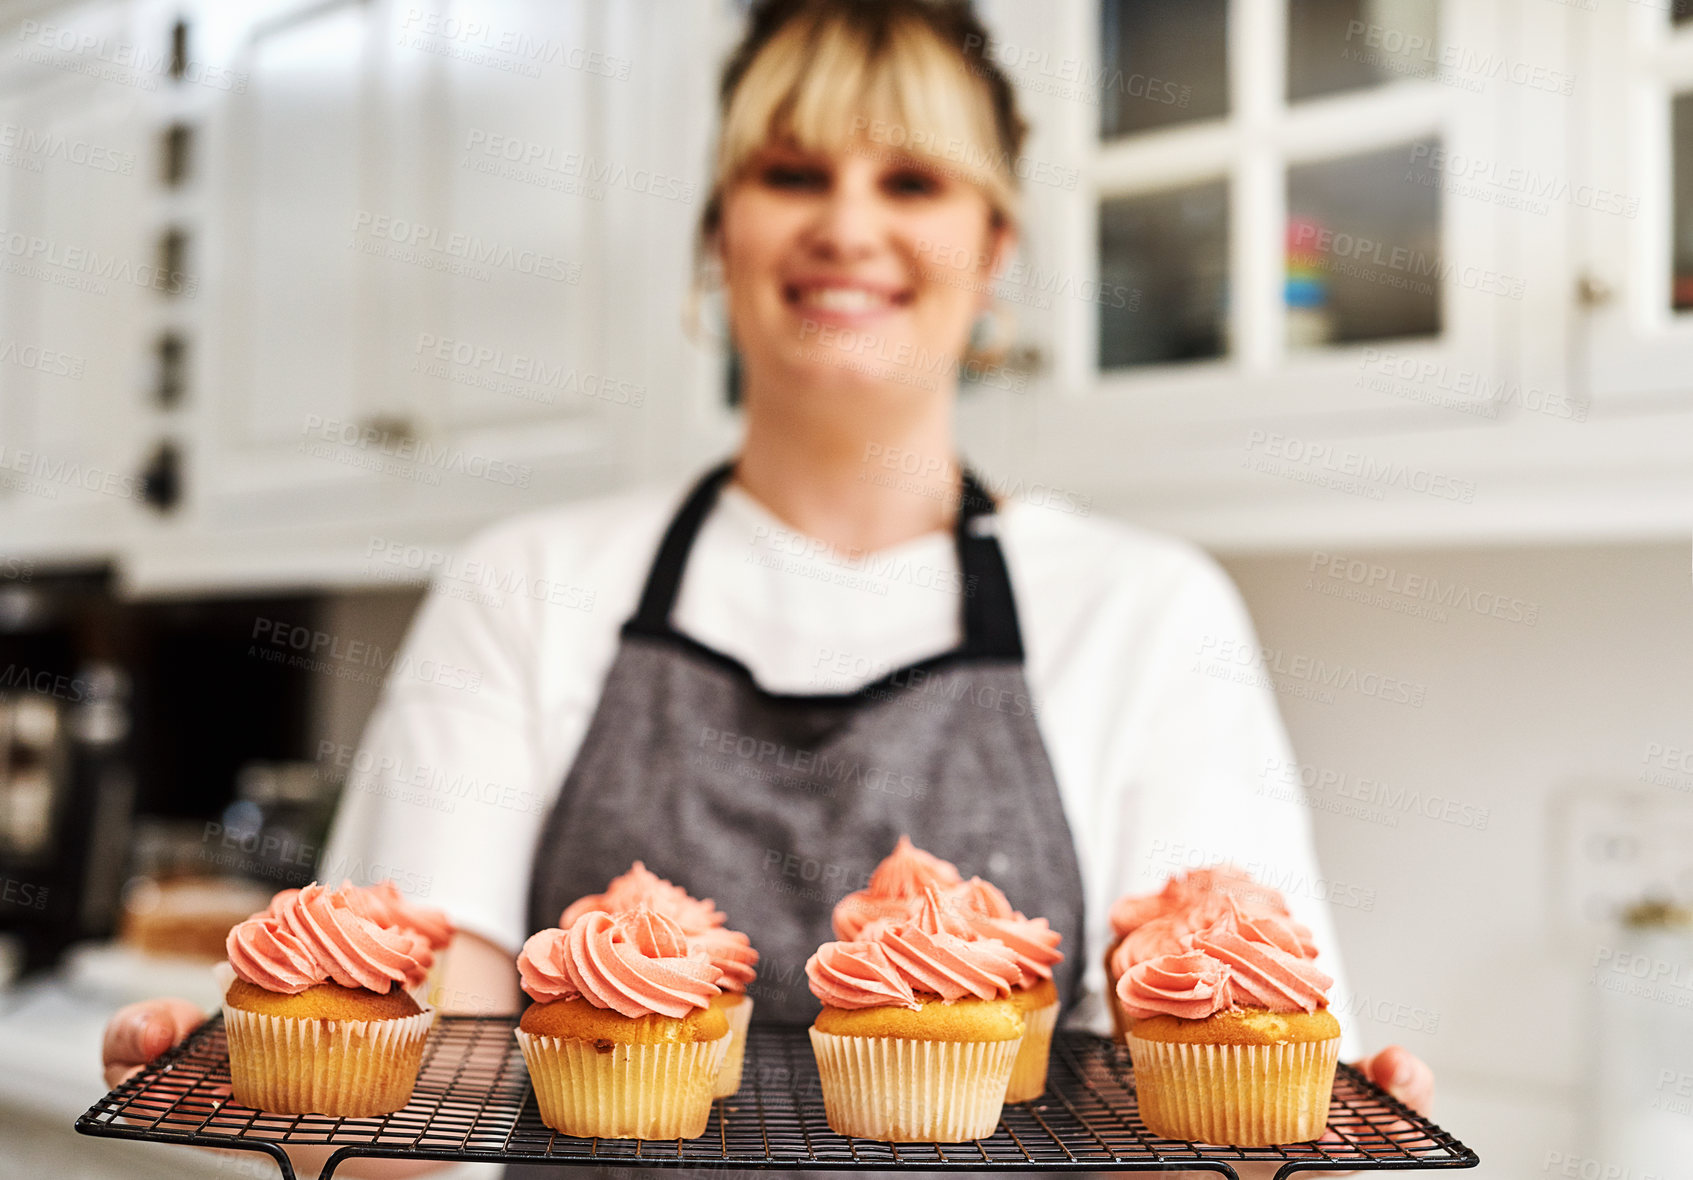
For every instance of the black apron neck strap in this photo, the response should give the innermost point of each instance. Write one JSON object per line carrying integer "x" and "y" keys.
{"x": 664, "y": 580}
{"x": 990, "y": 609}
{"x": 989, "y": 614}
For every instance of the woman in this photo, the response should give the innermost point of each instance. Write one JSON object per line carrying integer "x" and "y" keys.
{"x": 1047, "y": 720}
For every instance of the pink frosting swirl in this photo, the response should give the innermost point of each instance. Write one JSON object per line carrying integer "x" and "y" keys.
{"x": 543, "y": 970}
{"x": 314, "y": 935}
{"x": 281, "y": 900}
{"x": 1167, "y": 933}
{"x": 729, "y": 950}
{"x": 1158, "y": 936}
{"x": 1261, "y": 974}
{"x": 940, "y": 953}
{"x": 1191, "y": 985}
{"x": 732, "y": 953}
{"x": 907, "y": 870}
{"x": 384, "y": 904}
{"x": 355, "y": 951}
{"x": 1194, "y": 889}
{"x": 1283, "y": 933}
{"x": 1032, "y": 942}
{"x": 265, "y": 954}
{"x": 857, "y": 975}
{"x": 635, "y": 963}
{"x": 935, "y": 953}
{"x": 977, "y": 896}
{"x": 1232, "y": 963}
{"x": 896, "y": 886}
{"x": 641, "y": 886}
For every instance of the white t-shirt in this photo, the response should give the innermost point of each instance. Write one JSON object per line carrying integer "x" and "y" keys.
{"x": 1141, "y": 661}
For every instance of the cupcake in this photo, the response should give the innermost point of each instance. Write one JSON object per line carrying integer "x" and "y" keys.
{"x": 896, "y": 891}
{"x": 1034, "y": 944}
{"x": 622, "y": 1041}
{"x": 729, "y": 950}
{"x": 1153, "y": 924}
{"x": 918, "y": 1032}
{"x": 317, "y": 1016}
{"x": 1231, "y": 1036}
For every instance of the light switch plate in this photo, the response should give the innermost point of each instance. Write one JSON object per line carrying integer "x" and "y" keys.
{"x": 1617, "y": 846}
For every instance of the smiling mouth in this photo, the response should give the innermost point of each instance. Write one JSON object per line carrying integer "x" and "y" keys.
{"x": 843, "y": 300}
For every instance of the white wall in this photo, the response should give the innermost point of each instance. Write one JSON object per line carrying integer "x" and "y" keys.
{"x": 1471, "y": 927}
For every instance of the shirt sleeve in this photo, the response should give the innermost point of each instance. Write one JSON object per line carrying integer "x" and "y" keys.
{"x": 1203, "y": 773}
{"x": 442, "y": 792}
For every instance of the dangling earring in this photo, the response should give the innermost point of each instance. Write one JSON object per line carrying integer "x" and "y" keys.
{"x": 990, "y": 339}
{"x": 705, "y": 313}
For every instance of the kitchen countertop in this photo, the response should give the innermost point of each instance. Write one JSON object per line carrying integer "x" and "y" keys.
{"x": 50, "y": 1031}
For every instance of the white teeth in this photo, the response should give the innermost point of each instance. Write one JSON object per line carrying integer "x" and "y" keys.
{"x": 841, "y": 299}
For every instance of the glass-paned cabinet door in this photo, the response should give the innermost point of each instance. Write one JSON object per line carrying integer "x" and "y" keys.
{"x": 1634, "y": 229}
{"x": 1302, "y": 216}
{"x": 1335, "y": 46}
{"x": 1166, "y": 62}
{"x": 1379, "y": 215}
{"x": 1171, "y": 249}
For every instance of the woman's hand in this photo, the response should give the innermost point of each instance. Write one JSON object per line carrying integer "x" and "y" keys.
{"x": 1403, "y": 1075}
{"x": 140, "y": 1032}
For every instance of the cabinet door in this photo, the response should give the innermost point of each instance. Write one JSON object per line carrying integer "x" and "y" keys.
{"x": 1635, "y": 202}
{"x": 299, "y": 230}
{"x": 498, "y": 111}
{"x": 560, "y": 141}
{"x": 1271, "y": 243}
{"x": 78, "y": 269}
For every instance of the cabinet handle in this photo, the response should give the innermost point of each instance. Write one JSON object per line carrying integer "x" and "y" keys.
{"x": 398, "y": 427}
{"x": 1591, "y": 290}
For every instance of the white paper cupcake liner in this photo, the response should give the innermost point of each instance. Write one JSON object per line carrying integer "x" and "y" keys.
{"x": 350, "y": 1068}
{"x": 729, "y": 1078}
{"x": 1028, "y": 1071}
{"x": 1242, "y": 1095}
{"x": 427, "y": 991}
{"x": 625, "y": 1092}
{"x": 904, "y": 1090}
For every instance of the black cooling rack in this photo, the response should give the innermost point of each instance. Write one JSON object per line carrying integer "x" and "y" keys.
{"x": 473, "y": 1102}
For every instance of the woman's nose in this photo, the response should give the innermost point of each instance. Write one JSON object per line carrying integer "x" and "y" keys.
{"x": 850, "y": 221}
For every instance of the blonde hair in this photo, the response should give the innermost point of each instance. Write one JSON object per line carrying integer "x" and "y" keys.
{"x": 911, "y": 75}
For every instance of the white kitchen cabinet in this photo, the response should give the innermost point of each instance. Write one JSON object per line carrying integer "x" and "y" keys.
{"x": 1634, "y": 204}
{"x": 74, "y": 282}
{"x": 296, "y": 166}
{"x": 432, "y": 229}
{"x": 1495, "y": 425}
{"x": 441, "y": 253}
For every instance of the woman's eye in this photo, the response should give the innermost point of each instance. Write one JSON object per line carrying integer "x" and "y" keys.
{"x": 794, "y": 176}
{"x": 911, "y": 183}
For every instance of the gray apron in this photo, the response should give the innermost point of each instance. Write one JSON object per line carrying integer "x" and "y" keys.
{"x": 776, "y": 806}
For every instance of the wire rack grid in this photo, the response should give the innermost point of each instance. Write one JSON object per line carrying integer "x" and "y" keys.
{"x": 473, "y": 1102}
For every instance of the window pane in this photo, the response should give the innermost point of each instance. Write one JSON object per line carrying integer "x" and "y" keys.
{"x": 1681, "y": 133}
{"x": 1169, "y": 252}
{"x": 1335, "y": 45}
{"x": 1363, "y": 247}
{"x": 1162, "y": 62}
